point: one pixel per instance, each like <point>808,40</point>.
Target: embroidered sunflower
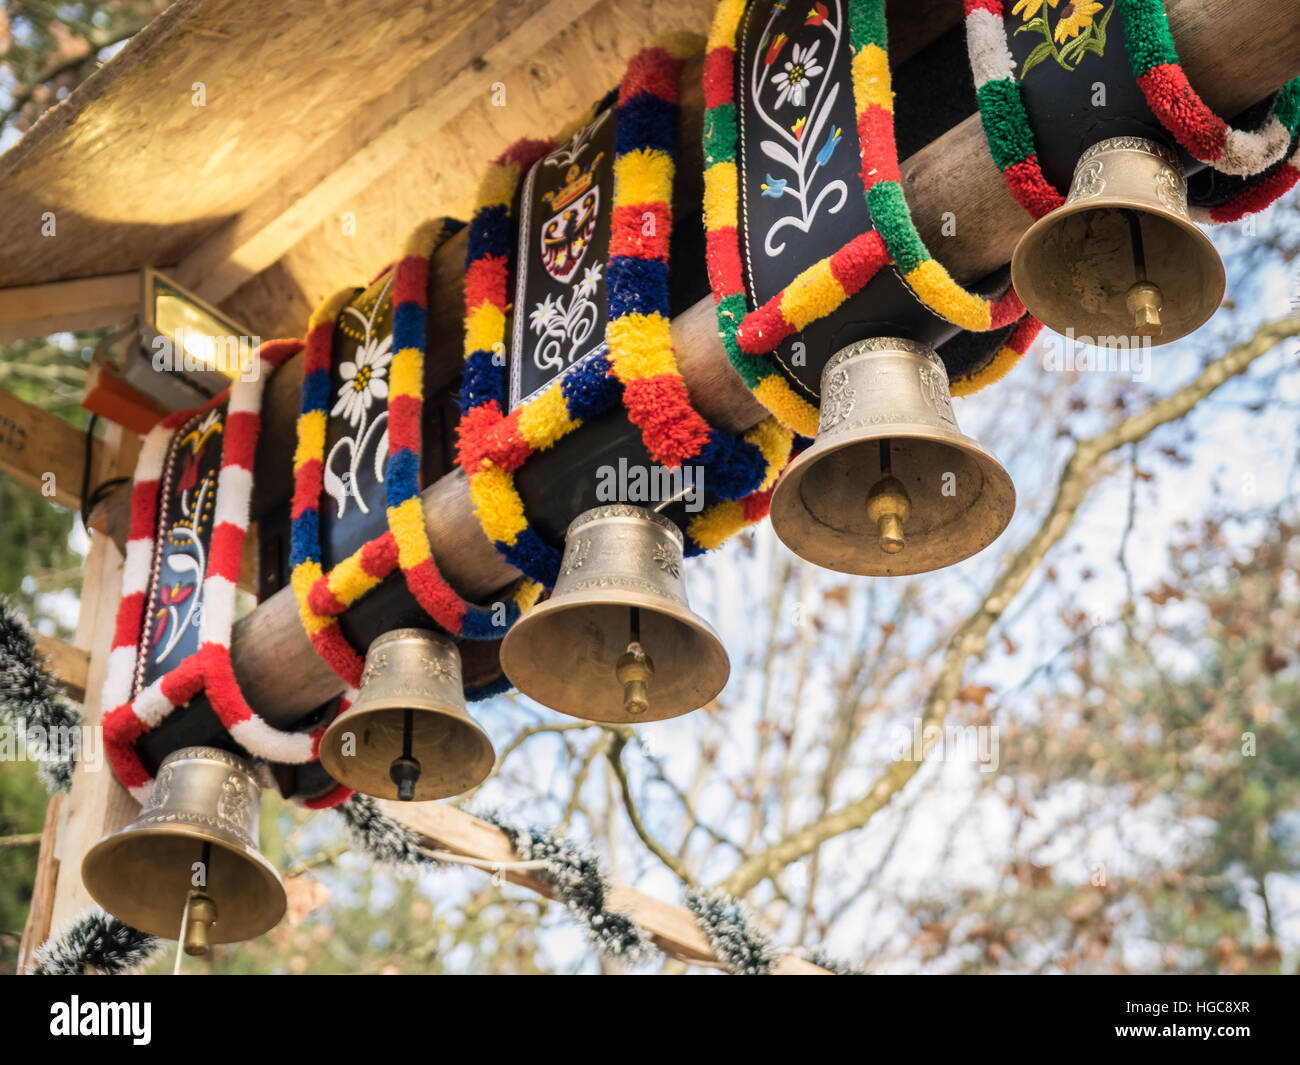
<point>364,379</point>
<point>1075,17</point>
<point>1030,7</point>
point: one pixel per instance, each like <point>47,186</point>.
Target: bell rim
<point>1036,232</point>
<point>622,598</point>
<point>484,760</point>
<point>269,879</point>
<point>787,502</point>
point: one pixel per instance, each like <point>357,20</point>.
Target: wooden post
<point>97,803</point>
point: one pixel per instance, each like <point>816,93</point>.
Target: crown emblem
<point>577,180</point>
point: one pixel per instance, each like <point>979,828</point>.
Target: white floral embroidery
<point>797,77</point>
<point>365,380</point>
<point>555,324</point>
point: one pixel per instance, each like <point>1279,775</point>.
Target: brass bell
<point>891,485</point>
<point>1121,257</point>
<point>616,641</point>
<point>408,735</point>
<point>190,859</point>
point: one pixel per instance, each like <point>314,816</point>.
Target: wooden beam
<point>68,665</point>
<point>45,453</point>
<point>673,928</point>
<point>66,306</point>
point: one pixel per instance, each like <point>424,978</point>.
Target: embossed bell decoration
<point>408,736</point>
<point>891,485</point>
<point>1121,257</point>
<point>616,641</point>
<point>188,866</point>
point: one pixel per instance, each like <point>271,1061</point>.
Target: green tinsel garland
<point>99,942</point>
<point>30,698</point>
<point>741,947</point>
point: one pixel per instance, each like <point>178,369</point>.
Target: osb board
<point>136,173</point>
<point>440,176</point>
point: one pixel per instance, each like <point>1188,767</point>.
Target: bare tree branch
<point>1076,480</point>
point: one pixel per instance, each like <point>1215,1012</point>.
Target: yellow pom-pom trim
<point>406,374</point>
<point>792,409</point>
<point>720,196</point>
<point>546,419</point>
<point>871,82</point>
<point>935,287</point>
<point>813,294</point>
<point>644,176</point>
<point>644,346</point>
<point>311,437</point>
<point>497,504</point>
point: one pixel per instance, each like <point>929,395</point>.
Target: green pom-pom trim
<point>889,212</point>
<point>1148,39</point>
<point>720,134</point>
<point>1006,123</point>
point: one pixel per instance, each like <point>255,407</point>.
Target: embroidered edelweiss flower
<point>1030,7</point>
<point>590,278</point>
<point>1075,17</point>
<point>540,315</point>
<point>364,379</point>
<point>799,71</point>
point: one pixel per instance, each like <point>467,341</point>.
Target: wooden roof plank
<point>463,71</point>
<point>200,113</point>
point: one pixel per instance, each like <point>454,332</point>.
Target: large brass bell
<point>1121,257</point>
<point>408,735</point>
<point>190,859</point>
<point>616,641</point>
<point>891,485</point>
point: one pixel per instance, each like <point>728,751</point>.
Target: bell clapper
<point>635,669</point>
<point>199,915</point>
<point>888,505</point>
<point>405,770</point>
<point>1144,298</point>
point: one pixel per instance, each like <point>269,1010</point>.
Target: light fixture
<point>188,349</point>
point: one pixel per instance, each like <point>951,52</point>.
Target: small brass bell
<point>190,859</point>
<point>616,641</point>
<point>891,485</point>
<point>408,736</point>
<point>1121,257</point>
